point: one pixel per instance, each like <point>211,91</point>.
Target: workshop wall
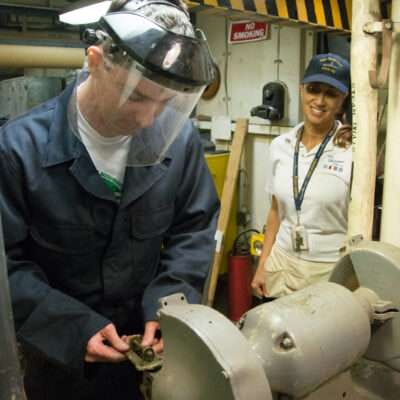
<point>245,69</point>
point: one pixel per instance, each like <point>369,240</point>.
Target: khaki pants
<point>286,273</point>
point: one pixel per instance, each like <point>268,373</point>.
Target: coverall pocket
<point>147,231</point>
<point>73,240</point>
<point>151,223</point>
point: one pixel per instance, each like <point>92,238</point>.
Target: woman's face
<point>321,103</point>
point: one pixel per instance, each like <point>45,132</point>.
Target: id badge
<point>299,238</point>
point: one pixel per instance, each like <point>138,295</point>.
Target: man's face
<point>321,103</point>
<point>129,101</point>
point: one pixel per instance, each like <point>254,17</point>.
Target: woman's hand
<point>258,282</point>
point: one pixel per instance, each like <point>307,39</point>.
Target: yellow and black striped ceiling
<point>326,14</point>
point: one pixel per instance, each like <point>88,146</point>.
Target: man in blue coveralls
<point>107,203</point>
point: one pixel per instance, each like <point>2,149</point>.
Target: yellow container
<point>217,164</point>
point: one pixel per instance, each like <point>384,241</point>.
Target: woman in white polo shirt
<point>310,171</point>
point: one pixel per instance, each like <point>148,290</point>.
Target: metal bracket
<point>143,358</point>
<point>384,310</point>
<point>373,27</point>
<point>385,27</point>
<point>172,300</point>
<point>355,240</point>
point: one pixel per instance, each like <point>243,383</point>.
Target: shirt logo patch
<point>332,164</point>
<point>332,167</point>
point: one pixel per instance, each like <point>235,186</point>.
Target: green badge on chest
<point>113,184</point>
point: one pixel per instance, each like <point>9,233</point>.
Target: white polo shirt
<point>324,208</point>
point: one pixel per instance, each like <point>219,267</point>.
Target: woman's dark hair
<point>343,137</point>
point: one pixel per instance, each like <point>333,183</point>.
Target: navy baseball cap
<point>329,68</point>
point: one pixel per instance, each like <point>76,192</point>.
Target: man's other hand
<point>151,328</point>
<point>106,346</point>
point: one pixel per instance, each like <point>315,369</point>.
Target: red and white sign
<point>248,31</point>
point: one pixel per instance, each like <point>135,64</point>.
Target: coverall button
<point>102,212</point>
<point>113,265</point>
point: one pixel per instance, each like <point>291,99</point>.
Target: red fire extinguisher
<point>239,278</point>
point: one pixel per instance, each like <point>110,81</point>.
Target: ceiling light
<point>85,12</point>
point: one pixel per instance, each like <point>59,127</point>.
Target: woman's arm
<point>272,227</point>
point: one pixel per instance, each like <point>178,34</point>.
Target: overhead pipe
<point>30,7</point>
<point>390,226</point>
<point>365,125</point>
<point>23,56</point>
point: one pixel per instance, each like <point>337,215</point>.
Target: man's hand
<point>258,282</point>
<point>106,346</point>
<point>149,336</point>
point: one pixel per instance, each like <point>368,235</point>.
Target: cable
<point>238,237</point>
<point>226,68</point>
<point>278,52</point>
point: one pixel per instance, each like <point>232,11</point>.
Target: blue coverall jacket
<point>76,256</point>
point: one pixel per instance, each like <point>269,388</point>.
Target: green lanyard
<point>299,196</point>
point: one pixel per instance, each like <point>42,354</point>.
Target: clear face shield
<point>147,87</point>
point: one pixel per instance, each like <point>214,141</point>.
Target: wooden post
<point>228,191</point>
<point>390,227</point>
<point>365,106</point>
